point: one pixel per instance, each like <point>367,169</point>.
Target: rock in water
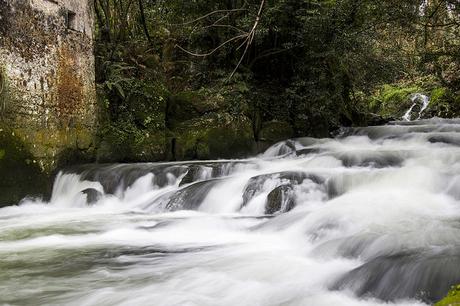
<point>281,199</point>
<point>92,195</point>
<point>192,175</point>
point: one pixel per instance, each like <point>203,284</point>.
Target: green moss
<point>123,141</point>
<point>392,100</point>
<point>187,105</point>
<point>20,172</point>
<point>444,103</point>
<point>452,298</point>
<point>438,95</point>
<point>217,135</point>
<point>274,131</point>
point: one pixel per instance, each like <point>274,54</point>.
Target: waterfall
<point>368,218</point>
<point>415,98</point>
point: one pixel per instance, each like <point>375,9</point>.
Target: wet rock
<point>190,197</point>
<point>281,199</point>
<point>255,184</point>
<point>92,195</point>
<point>307,151</point>
<point>21,175</point>
<point>115,176</point>
<point>192,175</point>
<point>188,105</point>
<point>427,276</point>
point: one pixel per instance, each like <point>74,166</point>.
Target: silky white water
<point>417,99</point>
<point>369,218</point>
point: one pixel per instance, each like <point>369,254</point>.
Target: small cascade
<point>369,218</point>
<point>416,98</point>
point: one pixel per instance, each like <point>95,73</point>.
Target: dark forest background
<point>205,79</point>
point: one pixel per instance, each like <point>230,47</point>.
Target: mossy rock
<point>20,174</point>
<point>274,131</point>
<point>392,101</point>
<point>125,142</point>
<point>188,105</point>
<point>216,135</point>
<point>452,298</point>
<point>443,103</point>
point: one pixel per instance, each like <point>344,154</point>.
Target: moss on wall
<point>3,90</point>
<point>20,173</point>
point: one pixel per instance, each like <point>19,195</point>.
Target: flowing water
<point>417,99</point>
<point>371,217</point>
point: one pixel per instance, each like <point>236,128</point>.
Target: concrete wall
<point>47,88</point>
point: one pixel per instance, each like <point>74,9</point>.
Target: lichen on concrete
<point>51,101</point>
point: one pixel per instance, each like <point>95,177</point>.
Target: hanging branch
<point>248,37</point>
<point>215,49</point>
<point>210,14</point>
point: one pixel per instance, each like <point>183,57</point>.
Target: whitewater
<point>370,217</point>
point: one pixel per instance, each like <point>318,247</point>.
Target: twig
<point>250,38</point>
<point>213,50</point>
<point>210,14</point>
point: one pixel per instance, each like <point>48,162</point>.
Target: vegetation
<point>452,298</point>
<point>16,158</point>
<point>169,72</point>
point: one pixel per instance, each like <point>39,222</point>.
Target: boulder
<point>189,197</point>
<point>280,200</point>
<point>255,184</point>
<point>192,175</point>
<point>92,195</point>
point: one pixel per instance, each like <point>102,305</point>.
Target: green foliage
<point>392,100</point>
<point>452,298</point>
<point>132,102</point>
<point>438,95</point>
<point>444,103</point>
<point>312,66</point>
<point>216,135</point>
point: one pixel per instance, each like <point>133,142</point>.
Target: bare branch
<point>210,14</point>
<point>224,26</point>
<point>250,37</point>
<point>215,49</point>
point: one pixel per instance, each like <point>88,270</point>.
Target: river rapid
<point>371,217</point>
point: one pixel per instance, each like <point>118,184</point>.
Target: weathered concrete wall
<point>47,88</point>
